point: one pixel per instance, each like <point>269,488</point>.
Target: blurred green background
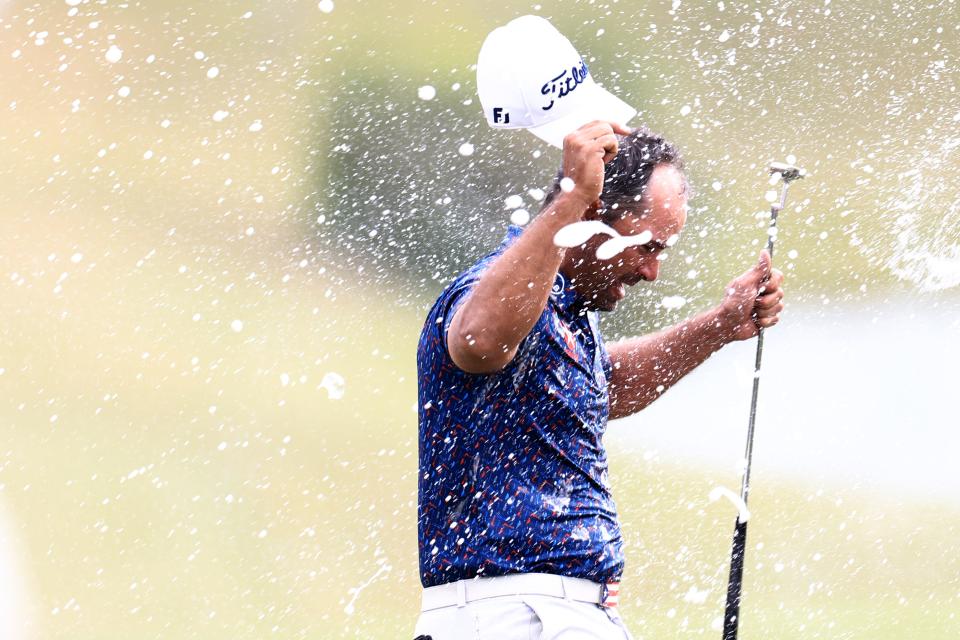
<point>222,224</point>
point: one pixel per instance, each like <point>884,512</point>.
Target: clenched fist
<point>753,300</point>
<point>585,151</point>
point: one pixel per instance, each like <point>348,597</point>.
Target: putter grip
<point>731,617</point>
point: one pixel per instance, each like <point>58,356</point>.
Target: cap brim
<point>603,105</point>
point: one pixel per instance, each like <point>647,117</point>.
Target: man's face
<point>662,212</point>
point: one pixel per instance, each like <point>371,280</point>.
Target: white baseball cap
<point>529,76</point>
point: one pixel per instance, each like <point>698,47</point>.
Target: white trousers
<point>523,617</point>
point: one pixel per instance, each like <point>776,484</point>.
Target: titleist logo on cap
<point>566,83</point>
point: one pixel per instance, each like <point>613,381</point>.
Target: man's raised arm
<point>509,297</point>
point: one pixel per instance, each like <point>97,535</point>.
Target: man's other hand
<point>753,300</point>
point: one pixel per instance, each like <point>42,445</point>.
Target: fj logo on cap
<point>565,83</point>
<point>499,114</point>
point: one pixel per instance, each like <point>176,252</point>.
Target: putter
<point>731,619</point>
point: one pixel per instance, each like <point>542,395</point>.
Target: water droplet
<point>334,384</point>
<point>114,53</point>
<point>575,234</point>
<point>512,202</point>
<point>520,217</point>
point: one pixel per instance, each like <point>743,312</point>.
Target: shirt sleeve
<point>448,303</point>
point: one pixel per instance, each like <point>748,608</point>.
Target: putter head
<point>788,172</point>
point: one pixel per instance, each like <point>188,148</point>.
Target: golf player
<point>518,531</point>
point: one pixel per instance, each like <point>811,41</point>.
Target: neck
<point>565,267</point>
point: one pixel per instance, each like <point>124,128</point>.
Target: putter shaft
<point>748,454</point>
<point>731,617</point>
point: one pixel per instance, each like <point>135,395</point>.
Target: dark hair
<point>626,176</point>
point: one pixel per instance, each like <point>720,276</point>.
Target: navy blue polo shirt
<point>513,472</point>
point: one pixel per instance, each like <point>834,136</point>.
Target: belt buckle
<point>610,595</point>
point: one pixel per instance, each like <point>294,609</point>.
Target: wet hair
<point>626,176</point>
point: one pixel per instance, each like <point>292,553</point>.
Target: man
<point>518,530</point>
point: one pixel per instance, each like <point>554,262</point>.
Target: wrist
<point>569,207</point>
<point>719,327</point>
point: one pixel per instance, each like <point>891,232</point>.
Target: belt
<point>542,584</point>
